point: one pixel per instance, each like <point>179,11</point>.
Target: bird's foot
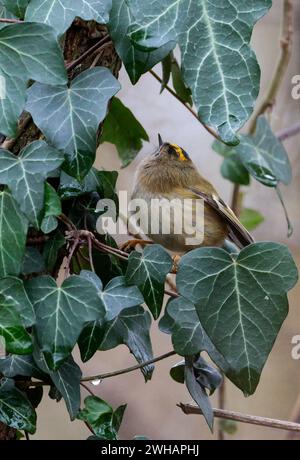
<point>131,245</point>
<point>176,260</point>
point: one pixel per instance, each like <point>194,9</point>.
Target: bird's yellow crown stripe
<point>179,152</point>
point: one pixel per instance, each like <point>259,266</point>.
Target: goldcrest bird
<point>169,174</point>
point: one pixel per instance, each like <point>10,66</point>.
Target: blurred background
<point>152,407</point>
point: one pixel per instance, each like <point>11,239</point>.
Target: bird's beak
<point>160,141</point>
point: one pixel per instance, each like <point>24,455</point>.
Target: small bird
<point>169,174</point>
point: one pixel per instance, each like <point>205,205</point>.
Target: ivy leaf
<point>12,244</point>
<point>52,208</point>
<point>16,7</point>
<point>67,381</point>
<point>214,39</point>
<point>148,271</point>
<point>264,156</point>
<point>251,219</point>
<point>232,169</point>
<point>17,339</point>
<point>122,129</point>
<point>51,250</point>
<point>52,202</point>
<point>49,224</point>
<point>166,71</point>
<point>241,302</point>
<point>69,116</point>
<point>116,296</point>
<point>27,51</point>
<point>25,175</point>
<point>33,261</point>
<point>5,14</point>
<point>60,15</point>
<point>135,61</point>
<point>178,83</point>
<point>13,365</point>
<point>104,421</point>
<point>14,288</point>
<point>15,409</point>
<point>61,313</point>
<point>131,327</point>
<point>188,336</point>
<point>198,393</point>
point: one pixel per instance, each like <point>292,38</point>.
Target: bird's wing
<point>237,232</point>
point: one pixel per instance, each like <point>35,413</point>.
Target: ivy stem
<point>171,91</point>
<point>108,374</point>
<point>289,132</point>
<point>11,21</point>
<point>268,102</point>
<point>243,418</point>
<point>128,369</point>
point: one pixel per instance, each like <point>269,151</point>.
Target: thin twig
<point>289,132</point>
<point>128,369</point>
<point>222,398</point>
<point>90,378</point>
<point>91,254</point>
<point>26,435</point>
<point>87,389</point>
<point>171,91</point>
<point>105,40</point>
<point>69,259</point>
<point>243,418</point>
<point>11,21</point>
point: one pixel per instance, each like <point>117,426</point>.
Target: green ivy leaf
<point>69,116</point>
<point>116,296</point>
<point>251,219</point>
<point>51,250</point>
<point>67,381</point>
<point>180,87</point>
<point>166,71</point>
<point>15,409</point>
<point>131,327</point>
<point>13,365</point>
<point>5,14</point>
<point>14,288</point>
<point>61,313</point>
<point>198,393</point>
<point>27,51</point>
<point>122,129</point>
<point>214,38</point>
<point>188,336</point>
<point>25,175</point>
<point>17,339</point>
<point>12,244</point>
<point>135,61</point>
<point>104,421</point>
<point>49,224</point>
<point>233,170</point>
<point>60,15</point>
<point>52,201</point>
<point>241,302</point>
<point>33,261</point>
<point>264,156</point>
<point>148,271</point>
<point>16,7</point>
